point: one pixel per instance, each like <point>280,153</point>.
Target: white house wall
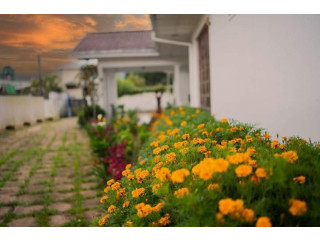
<point>265,70</point>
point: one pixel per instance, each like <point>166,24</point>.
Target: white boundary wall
<point>17,110</point>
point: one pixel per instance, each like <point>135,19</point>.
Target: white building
<point>257,69</point>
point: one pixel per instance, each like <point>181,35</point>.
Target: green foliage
<point>228,146</point>
<point>49,84</point>
<point>87,113</point>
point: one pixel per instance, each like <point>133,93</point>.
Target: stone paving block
<point>56,195</point>
<point>88,193</point>
<point>29,198</point>
<point>64,187</point>
<point>35,188</point>
<point>10,190</point>
<point>91,215</point>
<point>61,206</point>
<point>23,222</point>
<point>19,210</point>
<point>58,220</point>
<point>59,180</point>
<point>7,198</point>
<point>88,185</point>
<point>90,203</point>
<point>4,211</point>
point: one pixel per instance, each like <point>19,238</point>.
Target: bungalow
<point>259,69</point>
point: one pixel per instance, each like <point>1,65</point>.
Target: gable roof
<point>115,44</point>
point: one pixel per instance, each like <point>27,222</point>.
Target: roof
<point>114,44</point>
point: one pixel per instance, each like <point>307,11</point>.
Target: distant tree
<point>8,73</point>
<point>49,84</point>
<point>137,79</point>
<point>154,77</point>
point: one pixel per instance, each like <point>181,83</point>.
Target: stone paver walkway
<point>46,176</point>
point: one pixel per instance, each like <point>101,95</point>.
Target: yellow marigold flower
<point>238,158</point>
<point>143,210</point>
<point>173,132</point>
<point>201,126</point>
<point>197,141</point>
<point>170,157</point>
<point>243,170</point>
<point>162,137</point>
<point>129,224</point>
<point>179,175</point>
<point>130,177</point>
<point>224,120</point>
<point>205,133</point>
<point>126,204</point>
<point>168,121</point>
<point>186,136</point>
<point>207,154</point>
<point>297,207</point>
<point>183,123</point>
<point>184,150</point>
<point>250,151</point>
<point>155,187</point>
<point>300,179</point>
<point>115,186</point>
<point>155,144</point>
<point>111,181</point>
<point>121,193</point>
<point>198,111</point>
<point>103,199</point>
<point>158,207</point>
<point>125,172</point>
<point>137,192</point>
<point>140,176</point>
<point>106,189</point>
<point>102,221</point>
<point>226,206</point>
<point>263,222</point>
<point>178,144</point>
<point>233,129</point>
<point>180,193</point>
<point>275,144</point>
<point>157,158</point>
<point>128,166</point>
<point>208,166</point>
<point>233,150</point>
<point>157,150</point>
<point>249,138</point>
<point>261,173</point>
<point>247,215</point>
<point>163,174</point>
<point>213,186</point>
<point>201,149</point>
<point>111,208</point>
<point>290,156</point>
<point>164,147</point>
<point>164,220</point>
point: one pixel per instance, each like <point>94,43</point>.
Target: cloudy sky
<point>23,37</point>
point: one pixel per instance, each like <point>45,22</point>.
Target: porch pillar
<point>111,90</point>
<point>176,85</point>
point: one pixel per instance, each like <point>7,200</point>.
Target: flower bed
<point>196,171</point>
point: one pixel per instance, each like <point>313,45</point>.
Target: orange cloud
<point>133,22</point>
<point>47,32</point>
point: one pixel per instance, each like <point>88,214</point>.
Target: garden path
<point>46,176</point>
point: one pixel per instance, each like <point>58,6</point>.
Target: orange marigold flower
<point>208,166</point>
<point>198,111</point>
<point>297,207</point>
<point>251,151</point>
<point>239,158</point>
<point>121,193</point>
<point>201,149</point>
<point>143,210</point>
<point>164,220</point>
<point>129,224</point>
<point>158,207</point>
<point>247,215</point>
<point>261,173</point>
<point>243,170</point>
<point>106,189</point>
<point>156,151</point>
<point>226,206</point>
<point>179,175</point>
<point>219,217</point>
<point>111,208</point>
<point>275,144</point>
<point>263,222</point>
<point>126,204</point>
<point>233,129</point>
<point>111,181</point>
<point>155,144</point>
<point>197,141</point>
<point>290,156</point>
<point>137,192</point>
<point>157,158</point>
<point>155,187</point>
<point>102,221</point>
<point>180,193</point>
<point>184,150</point>
<point>170,157</point>
<point>115,186</point>
<point>186,136</point>
<point>249,138</point>
<point>103,199</point>
<point>224,120</point>
<point>300,179</point>
<point>140,176</point>
<point>201,126</point>
<point>213,186</point>
<point>183,123</point>
<point>130,177</point>
<point>163,174</point>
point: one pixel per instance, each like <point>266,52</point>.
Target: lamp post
<point>158,96</point>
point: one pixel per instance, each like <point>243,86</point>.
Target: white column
<point>111,90</point>
<point>194,75</point>
<point>176,85</point>
<point>184,86</point>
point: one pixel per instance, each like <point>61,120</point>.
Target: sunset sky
<point>23,37</point>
